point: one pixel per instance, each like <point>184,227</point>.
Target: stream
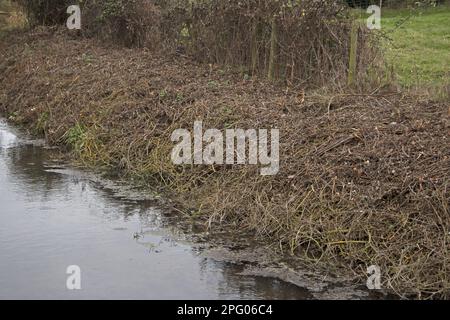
<point>53,216</point>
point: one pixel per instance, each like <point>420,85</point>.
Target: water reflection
<point>51,217</point>
<point>7,139</point>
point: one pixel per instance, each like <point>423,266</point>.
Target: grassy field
<point>420,45</point>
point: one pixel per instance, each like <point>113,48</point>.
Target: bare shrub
<point>132,23</point>
<point>310,43</point>
<point>45,12</point>
<point>303,43</point>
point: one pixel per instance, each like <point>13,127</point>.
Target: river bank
<point>55,214</point>
<point>363,179</point>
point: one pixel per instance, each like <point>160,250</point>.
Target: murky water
<point>52,217</point>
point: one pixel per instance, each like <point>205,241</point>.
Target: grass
<point>420,46</point>
<point>417,45</point>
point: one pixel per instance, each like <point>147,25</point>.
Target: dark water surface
<point>52,217</point>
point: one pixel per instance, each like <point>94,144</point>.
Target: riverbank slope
<point>363,180</point>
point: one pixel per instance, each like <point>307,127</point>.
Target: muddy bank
<point>363,178</point>
<point>113,228</point>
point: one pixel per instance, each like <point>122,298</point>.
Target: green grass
<point>417,44</point>
<point>420,46</point>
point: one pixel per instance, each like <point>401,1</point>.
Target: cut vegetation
<point>364,177</point>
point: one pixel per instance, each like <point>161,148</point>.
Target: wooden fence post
<point>254,46</point>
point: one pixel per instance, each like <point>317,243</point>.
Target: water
<point>52,217</point>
